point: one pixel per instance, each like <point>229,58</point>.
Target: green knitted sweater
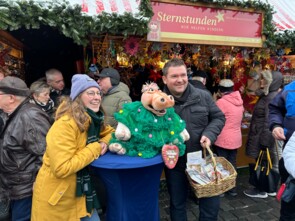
<point>149,132</point>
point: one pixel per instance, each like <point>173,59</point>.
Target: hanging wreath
<point>131,46</point>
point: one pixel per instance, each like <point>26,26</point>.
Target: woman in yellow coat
<point>63,190</point>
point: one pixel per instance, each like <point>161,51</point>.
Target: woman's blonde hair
<point>39,86</point>
<point>76,110</point>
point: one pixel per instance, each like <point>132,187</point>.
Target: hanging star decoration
<point>287,50</point>
<point>196,56</point>
<point>254,100</point>
<point>219,16</point>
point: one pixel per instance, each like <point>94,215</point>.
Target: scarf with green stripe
<point>84,182</point>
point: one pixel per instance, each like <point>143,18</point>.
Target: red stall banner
<point>205,25</point>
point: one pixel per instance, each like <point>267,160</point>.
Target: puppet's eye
<point>151,89</point>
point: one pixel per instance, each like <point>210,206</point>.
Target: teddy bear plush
<point>149,127</point>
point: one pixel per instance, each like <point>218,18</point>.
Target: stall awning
<point>96,7</point>
<point>284,17</point>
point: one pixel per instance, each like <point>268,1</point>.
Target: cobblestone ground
<point>241,207</point>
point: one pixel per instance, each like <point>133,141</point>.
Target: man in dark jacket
<point>204,121</point>
<point>22,144</point>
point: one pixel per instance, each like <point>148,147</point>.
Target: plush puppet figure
<point>150,127</point>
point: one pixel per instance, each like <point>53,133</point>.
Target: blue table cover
<point>132,185</point>
<point>115,161</point>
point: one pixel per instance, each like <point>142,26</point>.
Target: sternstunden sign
<point>202,25</point>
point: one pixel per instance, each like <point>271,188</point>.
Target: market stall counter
<point>132,185</point>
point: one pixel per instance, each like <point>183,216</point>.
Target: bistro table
<point>132,185</point>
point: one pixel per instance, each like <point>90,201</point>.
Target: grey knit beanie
<point>81,82</point>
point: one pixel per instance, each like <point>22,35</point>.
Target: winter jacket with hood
<point>232,106</point>
<point>259,134</point>
<point>113,101</point>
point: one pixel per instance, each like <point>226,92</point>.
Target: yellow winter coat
<point>54,194</point>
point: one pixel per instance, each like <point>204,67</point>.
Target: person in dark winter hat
<point>199,73</point>
<point>81,82</point>
<point>15,86</point>
<point>112,74</point>
<point>22,145</point>
<point>199,79</point>
<point>115,93</point>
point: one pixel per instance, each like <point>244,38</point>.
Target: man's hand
<point>278,133</point>
<point>104,148</point>
<point>205,141</point>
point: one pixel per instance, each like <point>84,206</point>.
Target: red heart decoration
<point>170,154</point>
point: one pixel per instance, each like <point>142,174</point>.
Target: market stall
<point>11,55</point>
<point>209,38</point>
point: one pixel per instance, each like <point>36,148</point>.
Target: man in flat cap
<point>22,144</point>
<point>115,93</point>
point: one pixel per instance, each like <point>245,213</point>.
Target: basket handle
<point>207,147</point>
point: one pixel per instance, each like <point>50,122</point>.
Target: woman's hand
<point>104,148</point>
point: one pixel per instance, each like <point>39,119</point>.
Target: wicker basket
<point>218,186</point>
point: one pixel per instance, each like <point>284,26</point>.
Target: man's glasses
<point>91,94</point>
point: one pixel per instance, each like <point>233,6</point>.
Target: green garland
<point>68,19</point>
<point>59,14</point>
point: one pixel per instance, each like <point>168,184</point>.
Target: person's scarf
<point>183,97</point>
<point>45,107</point>
<point>84,183</point>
